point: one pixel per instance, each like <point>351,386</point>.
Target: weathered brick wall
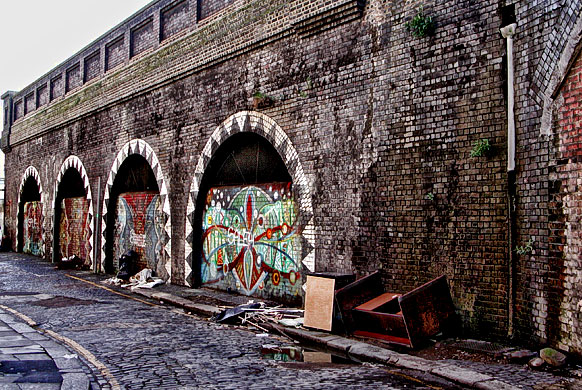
<point>383,124</point>
<point>42,95</point>
<point>175,18</point>
<point>545,308</point>
<point>566,203</point>
<point>142,37</point>
<point>210,7</point>
<point>73,78</point>
<point>92,65</point>
<point>57,86</point>
<point>115,53</point>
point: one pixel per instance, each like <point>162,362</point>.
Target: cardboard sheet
<point>319,302</point>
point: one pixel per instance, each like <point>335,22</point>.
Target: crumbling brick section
<point>565,226</point>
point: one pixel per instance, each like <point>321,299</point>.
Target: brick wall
<point>92,66</point>
<point>383,124</point>
<point>73,78</point>
<point>210,7</point>
<point>142,37</point>
<point>42,95</point>
<point>57,87</point>
<point>174,19</point>
<point>115,53</point>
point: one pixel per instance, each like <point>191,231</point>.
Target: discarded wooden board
<point>319,302</point>
<point>406,319</point>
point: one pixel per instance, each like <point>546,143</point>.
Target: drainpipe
<point>507,32</point>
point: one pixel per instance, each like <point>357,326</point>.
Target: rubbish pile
<point>71,262</point>
<point>143,279</point>
<point>259,315</point>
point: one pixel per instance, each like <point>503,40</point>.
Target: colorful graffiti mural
<point>140,227</point>
<point>32,229</point>
<point>74,228</point>
<point>251,242</point>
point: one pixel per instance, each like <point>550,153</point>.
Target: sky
<point>40,34</point>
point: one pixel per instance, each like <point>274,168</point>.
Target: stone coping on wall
<point>250,26</point>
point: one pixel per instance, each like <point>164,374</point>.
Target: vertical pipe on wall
<point>507,32</point>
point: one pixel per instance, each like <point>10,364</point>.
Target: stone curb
<point>69,367</point>
<point>368,352</point>
<point>353,348</point>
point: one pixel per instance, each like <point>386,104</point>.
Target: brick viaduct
<point>373,127</point>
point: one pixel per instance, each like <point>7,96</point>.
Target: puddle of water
<point>292,354</point>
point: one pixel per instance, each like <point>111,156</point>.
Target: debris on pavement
<point>143,279</point>
<point>553,357</point>
<point>257,314</point>
<point>71,262</point>
<point>126,262</point>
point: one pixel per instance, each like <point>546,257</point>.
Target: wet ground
<point>143,345</point>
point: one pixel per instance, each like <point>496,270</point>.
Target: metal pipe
<point>507,32</point>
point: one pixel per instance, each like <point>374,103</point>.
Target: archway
<point>30,234</point>
<point>136,211</point>
<point>249,169</point>
<point>73,208</point>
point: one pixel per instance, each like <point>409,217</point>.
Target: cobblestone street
<point>147,346</point>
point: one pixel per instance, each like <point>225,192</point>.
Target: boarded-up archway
<point>140,148</point>
<point>77,213</point>
<point>260,124</point>
<point>31,214</point>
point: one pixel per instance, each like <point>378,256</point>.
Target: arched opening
<point>135,218</point>
<point>246,233</point>
<point>30,214</point>
<point>71,208</point>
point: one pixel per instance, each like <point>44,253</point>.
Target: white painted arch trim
<point>142,148</point>
<point>256,122</point>
<point>32,171</point>
<point>76,163</point>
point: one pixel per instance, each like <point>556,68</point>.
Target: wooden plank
<point>377,302</point>
<point>319,303</point>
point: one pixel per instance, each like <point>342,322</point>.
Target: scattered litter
<point>256,315</point>
<point>71,356</point>
<point>71,262</point>
<point>143,279</point>
<point>125,264</point>
<point>263,335</point>
<point>292,322</point>
<point>114,281</point>
<point>235,312</point>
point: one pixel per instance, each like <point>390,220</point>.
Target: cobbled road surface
<point>141,346</point>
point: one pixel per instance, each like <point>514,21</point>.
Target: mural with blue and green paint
<point>250,241</point>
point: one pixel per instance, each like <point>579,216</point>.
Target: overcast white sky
<point>40,34</point>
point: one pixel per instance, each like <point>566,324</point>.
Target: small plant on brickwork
<point>430,196</point>
<point>525,249</point>
<point>481,148</point>
<point>261,100</point>
<point>308,86</point>
<point>421,25</point>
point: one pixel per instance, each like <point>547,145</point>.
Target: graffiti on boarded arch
<point>74,228</point>
<point>139,226</point>
<point>32,229</point>
<point>250,240</point>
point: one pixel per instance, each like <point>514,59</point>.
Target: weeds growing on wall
<point>480,148</point>
<point>421,25</point>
